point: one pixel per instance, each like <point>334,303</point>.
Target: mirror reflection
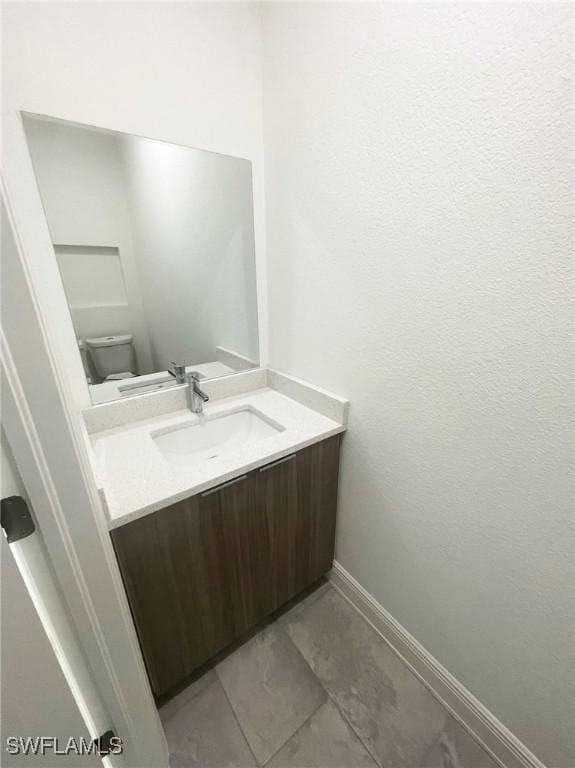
<point>155,247</point>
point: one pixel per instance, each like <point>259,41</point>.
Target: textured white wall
<point>419,174</point>
<point>189,73</point>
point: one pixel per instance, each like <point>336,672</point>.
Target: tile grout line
<point>345,719</point>
<point>297,730</point>
<point>317,594</point>
<point>282,745</point>
<point>322,589</point>
<point>356,734</point>
<point>236,718</point>
<point>342,713</point>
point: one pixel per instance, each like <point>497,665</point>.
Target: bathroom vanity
<point>203,571</point>
<point>218,519</point>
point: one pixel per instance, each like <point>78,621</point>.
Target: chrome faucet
<point>196,396</point>
<point>178,372</point>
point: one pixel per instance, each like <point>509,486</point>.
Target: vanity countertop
<point>137,479</point>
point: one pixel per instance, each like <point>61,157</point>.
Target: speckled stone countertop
<point>137,479</point>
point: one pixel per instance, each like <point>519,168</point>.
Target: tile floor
<point>316,689</point>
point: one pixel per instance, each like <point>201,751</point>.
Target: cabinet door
<point>162,584</point>
<point>278,520</point>
<point>317,478</point>
<point>226,547</point>
<point>296,501</point>
<point>187,571</point>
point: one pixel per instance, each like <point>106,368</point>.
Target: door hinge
<point>16,519</point>
<point>104,743</point>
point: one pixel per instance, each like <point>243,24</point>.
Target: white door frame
<point>49,443</point>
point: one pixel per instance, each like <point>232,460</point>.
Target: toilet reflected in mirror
<point>113,357</point>
<point>155,247</point>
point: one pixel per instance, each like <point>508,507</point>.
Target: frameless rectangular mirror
<point>155,247</point>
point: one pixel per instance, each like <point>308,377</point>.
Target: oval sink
<point>211,436</point>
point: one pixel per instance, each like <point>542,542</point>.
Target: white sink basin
<point>210,436</point>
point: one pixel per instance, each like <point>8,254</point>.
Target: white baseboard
<point>490,732</point>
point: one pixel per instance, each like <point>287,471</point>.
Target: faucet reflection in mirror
<point>155,247</point>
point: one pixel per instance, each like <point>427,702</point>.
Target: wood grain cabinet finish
<point>201,572</point>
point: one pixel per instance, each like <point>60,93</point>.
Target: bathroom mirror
<point>155,247</point>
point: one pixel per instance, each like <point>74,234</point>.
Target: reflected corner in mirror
<point>155,247</point>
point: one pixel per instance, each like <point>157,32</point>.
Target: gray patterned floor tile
<point>271,689</point>
<point>203,733</point>
<point>393,713</point>
<point>325,741</point>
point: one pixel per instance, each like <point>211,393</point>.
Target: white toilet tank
<point>113,356</point>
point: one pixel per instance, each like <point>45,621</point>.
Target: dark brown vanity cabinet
<point>201,572</point>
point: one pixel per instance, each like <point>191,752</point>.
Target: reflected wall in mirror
<point>155,246</point>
